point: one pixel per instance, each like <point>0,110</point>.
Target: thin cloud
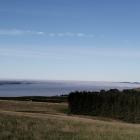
<point>81,34</point>
<point>30,54</point>
<point>66,55</point>
<point>16,32</point>
<point>70,34</point>
<point>52,34</point>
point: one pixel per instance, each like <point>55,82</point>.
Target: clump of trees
<point>124,105</point>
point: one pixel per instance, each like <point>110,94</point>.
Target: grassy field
<point>26,120</point>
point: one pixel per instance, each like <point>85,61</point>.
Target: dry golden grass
<point>49,121</point>
<point>33,107</point>
<point>138,89</point>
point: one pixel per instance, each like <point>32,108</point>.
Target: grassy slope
<point>49,121</point>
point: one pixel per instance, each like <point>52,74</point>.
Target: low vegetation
<point>53,99</point>
<point>26,120</point>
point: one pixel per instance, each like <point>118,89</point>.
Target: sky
<point>88,40</point>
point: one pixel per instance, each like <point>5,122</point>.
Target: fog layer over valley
<point>51,88</point>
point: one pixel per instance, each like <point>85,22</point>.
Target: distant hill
<point>131,82</point>
<point>13,82</point>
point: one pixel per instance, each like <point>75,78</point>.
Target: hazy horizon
<point>61,80</point>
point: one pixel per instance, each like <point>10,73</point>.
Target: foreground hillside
<point>49,121</point>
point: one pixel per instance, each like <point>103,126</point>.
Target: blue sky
<point>90,40</point>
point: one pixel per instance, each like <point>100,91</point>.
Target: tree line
<point>124,105</point>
